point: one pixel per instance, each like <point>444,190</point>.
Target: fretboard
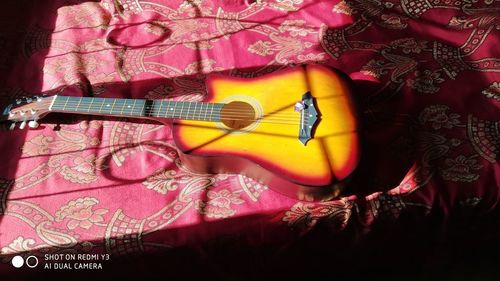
<point>138,108</point>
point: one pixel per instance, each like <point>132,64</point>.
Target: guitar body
<point>268,148</point>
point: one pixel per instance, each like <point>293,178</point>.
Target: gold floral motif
<point>67,141</point>
<point>284,46</point>
<point>425,82</point>
<point>373,11</point>
<point>201,66</point>
<point>54,237</point>
<point>163,181</point>
<point>219,204</point>
<point>343,8</point>
<point>194,8</point>
<point>80,213</point>
<point>261,48</point>
<point>470,202</point>
<point>312,58</point>
<point>493,91</point>
<point>398,65</point>
<point>410,45</point>
<point>437,115</point>
<point>19,245</point>
<point>295,28</point>
<point>69,65</point>
<point>286,5</point>
<point>157,28</point>
<point>393,21</point>
<point>87,14</point>
<point>433,146</point>
<point>184,27</point>
<point>251,187</point>
<point>461,169</point>
<point>304,216</point>
<point>468,23</point>
<point>83,171</point>
<point>374,68</point>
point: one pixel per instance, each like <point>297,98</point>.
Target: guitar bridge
<point>308,117</point>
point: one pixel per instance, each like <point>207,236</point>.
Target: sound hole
<point>237,115</point>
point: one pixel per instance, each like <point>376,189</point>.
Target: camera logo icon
<point>19,261</point>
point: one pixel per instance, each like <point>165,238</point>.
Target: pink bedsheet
<point>427,80</point>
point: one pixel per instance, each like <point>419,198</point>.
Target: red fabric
<point>428,86</point>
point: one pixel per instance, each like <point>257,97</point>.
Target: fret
<point>211,111</point>
<point>102,104</point>
<point>188,114</point>
<point>64,106</point>
<point>183,104</point>
<point>175,110</point>
<point>78,104</point>
<point>159,112</point>
<point>90,105</point>
<point>198,117</point>
<point>115,106</point>
<point>107,106</point>
<point>206,111</point>
<point>158,108</point>
<point>57,102</point>
<point>167,109</point>
<point>195,115</point>
<point>142,109</point>
<point>201,111</point>
<point>123,106</point>
<point>173,106</point>
<point>52,103</point>
<point>126,105</point>
<point>147,108</point>
<point>112,107</point>
<point>120,104</point>
<point>132,111</point>
<point>170,109</point>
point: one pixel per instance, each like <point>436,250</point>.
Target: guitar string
<point>187,112</point>
<point>212,118</point>
<point>260,120</point>
<point>215,118</point>
<point>151,110</point>
<point>76,106</point>
<point>123,102</point>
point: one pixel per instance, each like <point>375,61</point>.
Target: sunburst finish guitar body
<point>294,130</point>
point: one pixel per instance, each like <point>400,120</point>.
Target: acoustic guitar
<point>294,130</point>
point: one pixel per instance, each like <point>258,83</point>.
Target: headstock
<point>26,111</point>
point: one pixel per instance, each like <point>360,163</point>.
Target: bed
<point>421,204</point>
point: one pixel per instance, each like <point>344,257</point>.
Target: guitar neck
<point>138,108</point>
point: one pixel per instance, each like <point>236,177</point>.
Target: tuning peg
<point>18,101</point>
<point>22,125</point>
<point>33,124</point>
<point>12,126</point>
<point>29,100</point>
